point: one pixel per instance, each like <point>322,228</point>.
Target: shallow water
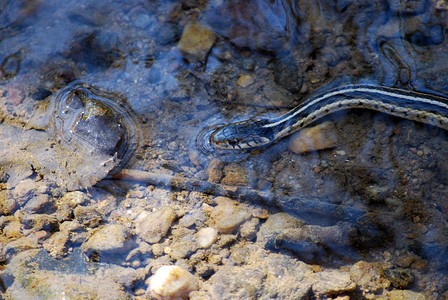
<point>378,196</point>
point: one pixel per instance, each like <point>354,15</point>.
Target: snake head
<point>243,135</point>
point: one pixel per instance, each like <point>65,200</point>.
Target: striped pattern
<point>257,132</point>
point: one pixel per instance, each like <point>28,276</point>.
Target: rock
<point>227,215</point>
<point>196,41</point>
<point>234,174</point>
<point>56,245</point>
<point>40,204</point>
<point>152,227</point>
<point>88,216</point>
<point>172,282</point>
<point>245,81</point>
<point>367,277</point>
<point>275,225</point>
<point>17,246</point>
<point>13,230</point>
<point>206,237</point>
<point>322,136</point>
<point>74,199</point>
<point>7,203</point>
<point>332,282</point>
<point>214,170</point>
<point>399,277</point>
<point>262,276</point>
<point>248,230</point>
<point>404,295</point>
<point>37,276</point>
<point>111,238</point>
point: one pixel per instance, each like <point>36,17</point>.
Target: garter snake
<point>262,130</point>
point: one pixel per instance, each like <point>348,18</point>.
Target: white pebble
<point>172,282</point>
<point>207,236</point>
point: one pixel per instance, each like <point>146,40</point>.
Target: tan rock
<point>322,136</point>
<point>235,175</point>
<point>196,41</point>
<point>172,282</point>
<point>151,227</point>
<point>245,81</point>
<point>227,215</point>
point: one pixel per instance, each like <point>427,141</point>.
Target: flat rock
<point>319,137</point>
<point>111,238</point>
<point>196,41</point>
<point>151,227</point>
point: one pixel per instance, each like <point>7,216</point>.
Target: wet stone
<point>214,170</point>
<point>87,216</point>
<point>332,283</point>
<point>152,227</point>
<point>245,80</point>
<point>172,282</point>
<point>196,41</point>
<point>206,237</point>
<point>368,277</point>
<point>111,238</point>
<point>56,245</point>
<point>399,277</point>
<point>227,215</point>
<point>322,136</point>
<point>235,174</point>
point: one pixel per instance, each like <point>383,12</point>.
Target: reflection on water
<point>364,217</point>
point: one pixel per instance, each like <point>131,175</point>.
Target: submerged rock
<point>196,41</point>
<point>172,282</point>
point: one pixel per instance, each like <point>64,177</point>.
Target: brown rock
<point>322,136</point>
<point>227,215</point>
<point>235,175</point>
<point>151,227</point>
<point>196,41</point>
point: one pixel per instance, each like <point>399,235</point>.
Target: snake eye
<point>233,142</point>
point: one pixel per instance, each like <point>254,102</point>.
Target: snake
<point>263,130</point>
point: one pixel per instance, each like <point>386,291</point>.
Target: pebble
<point>367,277</point>
<point>214,170</point>
<point>111,238</point>
<point>196,41</point>
<point>152,227</point>
<point>234,174</point>
<point>206,237</point>
<point>172,282</point>
<point>319,137</point>
<point>227,215</point>
<point>332,282</point>
<point>245,80</point>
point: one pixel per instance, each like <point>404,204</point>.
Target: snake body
<point>262,130</point>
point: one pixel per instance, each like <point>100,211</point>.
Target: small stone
<point>206,237</point>
<point>111,238</point>
<point>405,295</point>
<point>245,80</point>
<point>227,216</point>
<point>172,282</point>
<point>196,41</point>
<point>13,230</point>
<point>367,277</point>
<point>74,198</point>
<point>151,227</point>
<point>332,282</point>
<point>88,216</point>
<point>319,137</point>
<point>235,175</point>
<point>56,245</point>
<point>214,170</point>
<point>399,277</point>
